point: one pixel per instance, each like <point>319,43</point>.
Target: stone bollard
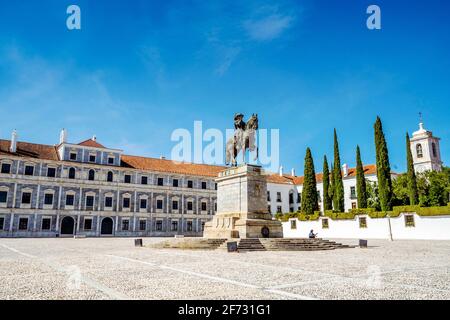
<point>232,246</point>
<point>138,242</point>
<point>362,243</point>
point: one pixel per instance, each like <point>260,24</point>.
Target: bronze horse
<point>243,139</point>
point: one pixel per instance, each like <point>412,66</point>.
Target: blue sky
<point>140,69</point>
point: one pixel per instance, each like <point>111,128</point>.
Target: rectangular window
<point>175,183</point>
<point>2,223</point>
<point>143,204</point>
<point>6,168</point>
<point>353,205</point>
<point>126,202</point>
<point>279,209</point>
<point>190,184</point>
<point>142,225</point>
<point>89,202</point>
<point>203,185</point>
<point>175,204</point>
<point>29,170</point>
<point>324,223</point>
<point>293,224</point>
<point>352,192</point>
<point>269,209</point>
<point>127,178</point>
<point>189,205</point>
<point>299,199</point>
<point>110,160</point>
<point>409,221</point>
<point>319,198</point>
<point>26,197</point>
<point>268,195</point>
<point>73,156</point>
<point>48,199</point>
<point>87,224</point>
<point>362,222</point>
<point>46,223</point>
<point>159,225</point>
<point>144,180</point>
<point>3,196</point>
<point>91,158</point>
<point>23,224</point>
<point>108,202</point>
<point>125,225</point>
<point>215,186</point>
<point>189,226</point>
<point>203,226</point>
<point>174,225</point>
<point>160,181</point>
<point>278,196</point>
<point>215,206</point>
<point>70,199</point>
<point>203,206</point>
<point>159,204</point>
<point>51,172</point>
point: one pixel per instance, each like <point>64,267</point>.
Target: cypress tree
<point>412,181</point>
<point>360,181</point>
<point>338,185</point>
<point>383,167</point>
<point>327,203</point>
<point>331,189</point>
<point>309,193</point>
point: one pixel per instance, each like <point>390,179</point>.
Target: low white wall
<point>426,228</point>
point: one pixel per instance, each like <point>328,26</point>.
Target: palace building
<point>87,189</point>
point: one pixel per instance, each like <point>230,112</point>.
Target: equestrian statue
<point>243,139</point>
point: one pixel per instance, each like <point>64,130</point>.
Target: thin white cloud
<point>269,27</point>
<point>229,55</point>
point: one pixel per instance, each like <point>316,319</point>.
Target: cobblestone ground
<point>112,268</point>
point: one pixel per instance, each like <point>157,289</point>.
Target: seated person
<point>312,235</point>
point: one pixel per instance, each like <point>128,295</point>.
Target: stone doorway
<point>67,226</point>
<point>107,227</point>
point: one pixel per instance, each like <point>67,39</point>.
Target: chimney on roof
<point>345,169</point>
<point>281,171</point>
<point>293,172</point>
<point>63,136</point>
<point>94,138</point>
<point>13,146</point>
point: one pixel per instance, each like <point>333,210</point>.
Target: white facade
<point>279,198</point>
<point>425,150</point>
<point>421,228</point>
<point>292,205</point>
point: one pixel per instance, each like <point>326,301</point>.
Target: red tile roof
<point>91,143</point>
<point>31,150</point>
<point>288,179</point>
<point>164,165</point>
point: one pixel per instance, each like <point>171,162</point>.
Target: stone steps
<point>193,243</point>
<point>284,244</point>
<point>253,244</point>
<point>292,244</point>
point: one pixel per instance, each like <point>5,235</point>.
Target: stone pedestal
<point>242,206</point>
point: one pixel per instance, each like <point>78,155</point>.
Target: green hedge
<point>421,211</point>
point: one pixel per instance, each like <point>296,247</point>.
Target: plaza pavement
<point>112,268</point>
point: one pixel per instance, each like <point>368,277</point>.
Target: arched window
<point>433,147</point>
<point>419,151</point>
<point>72,173</point>
<point>110,176</point>
<point>91,174</point>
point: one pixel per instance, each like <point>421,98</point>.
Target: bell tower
<point>425,150</point>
